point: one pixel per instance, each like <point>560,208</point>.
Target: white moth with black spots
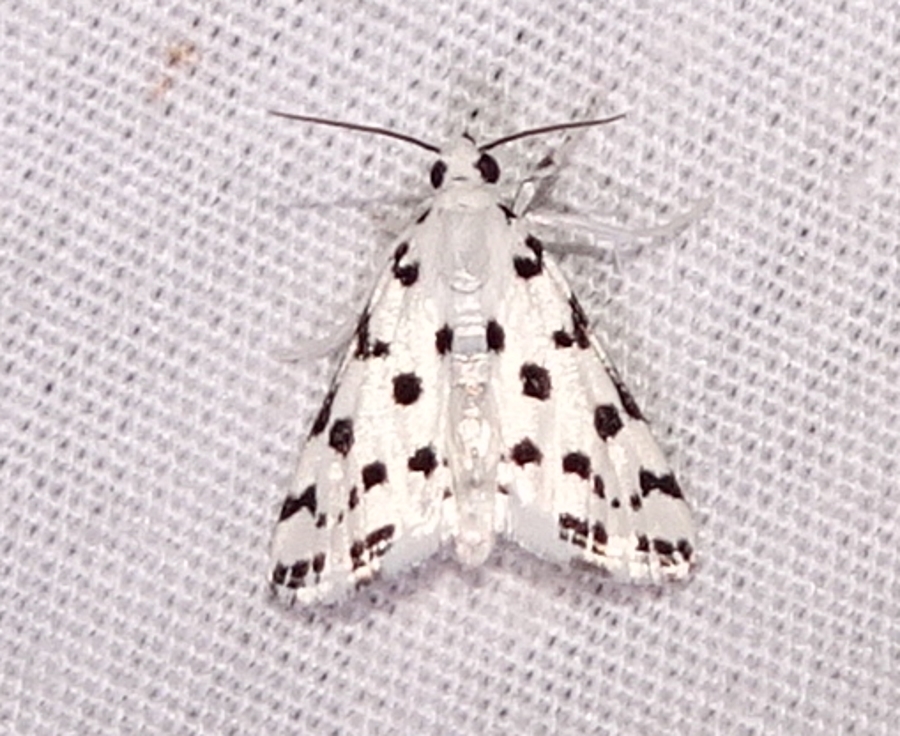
<point>474,403</point>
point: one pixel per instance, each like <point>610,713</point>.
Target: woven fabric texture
<point>161,235</point>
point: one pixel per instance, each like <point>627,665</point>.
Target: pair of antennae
<point>431,147</point>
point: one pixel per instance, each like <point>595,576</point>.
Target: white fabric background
<point>161,234</point>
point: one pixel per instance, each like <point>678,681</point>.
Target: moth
<point>472,403</point>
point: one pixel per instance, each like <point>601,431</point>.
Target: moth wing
<point>367,496</point>
<point>581,477</point>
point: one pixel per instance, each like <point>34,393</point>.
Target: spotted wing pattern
<point>371,484</point>
<point>581,477</point>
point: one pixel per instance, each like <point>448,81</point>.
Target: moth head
<point>464,163</point>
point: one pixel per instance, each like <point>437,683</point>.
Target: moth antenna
<point>354,126</point>
<point>549,129</point>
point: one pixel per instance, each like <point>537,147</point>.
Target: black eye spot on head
<point>488,168</point>
<point>437,174</point>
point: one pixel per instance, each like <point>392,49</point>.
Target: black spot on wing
<point>509,214</point>
<point>635,502</point>
<point>569,523</point>
<point>291,576</point>
<point>607,421</point>
<point>292,504</point>
<point>488,168</point>
<point>443,340</point>
<point>340,437</point>
<point>294,575</point>
<point>580,533</point>
<point>495,336</point>
<point>362,335</point>
<point>365,348</point>
<point>324,414</point>
<point>526,452</point>
<point>423,461</point>
<point>563,339</point>
<point>580,326</point>
<point>599,487</point>
<point>663,547</point>
<point>358,554</point>
<point>376,543</point>
<point>579,331</point>
<point>628,402</point>
<point>665,484</point>
<point>407,388</point>
<point>423,217</point>
<point>577,463</point>
<point>535,381</point>
<point>353,499</point>
<point>643,544</point>
<point>684,547</point>
<point>406,273</point>
<point>528,268</point>
<point>318,563</point>
<point>279,574</point>
<point>373,474</point>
